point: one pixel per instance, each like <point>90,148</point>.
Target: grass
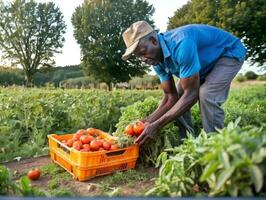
<point>57,175</point>
<point>55,172</point>
<point>109,186</point>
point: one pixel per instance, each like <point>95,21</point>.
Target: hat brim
<point>130,50</point>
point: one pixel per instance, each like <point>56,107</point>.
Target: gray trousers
<point>212,94</point>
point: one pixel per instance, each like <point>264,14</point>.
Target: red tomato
<point>34,174</point>
<point>86,147</point>
<point>106,145</point>
<point>129,130</point>
<point>138,128</point>
<point>70,142</point>
<point>82,131</point>
<point>98,138</point>
<point>91,131</point>
<point>77,145</point>
<point>94,145</point>
<point>100,142</point>
<point>114,147</point>
<point>79,134</point>
<point>86,139</point>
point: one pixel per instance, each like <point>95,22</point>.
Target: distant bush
<point>241,78</point>
<point>80,82</point>
<point>262,77</point>
<point>250,75</point>
<point>11,76</point>
<point>145,82</point>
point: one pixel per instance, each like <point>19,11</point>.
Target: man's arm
<point>190,87</point>
<point>169,100</point>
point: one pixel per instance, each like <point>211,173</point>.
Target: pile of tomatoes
<point>90,140</point>
<point>135,129</point>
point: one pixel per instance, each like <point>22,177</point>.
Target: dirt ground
<point>88,188</point>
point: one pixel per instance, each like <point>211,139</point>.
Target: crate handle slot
<point>63,148</point>
<point>115,153</point>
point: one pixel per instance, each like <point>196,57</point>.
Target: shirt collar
<point>165,49</point>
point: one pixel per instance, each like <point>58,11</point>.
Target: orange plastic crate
<point>86,165</point>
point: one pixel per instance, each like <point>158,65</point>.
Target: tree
<point>98,27</point>
<point>250,75</point>
<point>245,19</point>
<point>30,34</point>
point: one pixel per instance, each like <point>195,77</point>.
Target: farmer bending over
<point>205,58</point>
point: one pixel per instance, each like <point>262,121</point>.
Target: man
<point>205,58</point>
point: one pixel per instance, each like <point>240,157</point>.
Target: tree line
<point>32,33</point>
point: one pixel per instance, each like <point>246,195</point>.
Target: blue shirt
<point>195,48</point>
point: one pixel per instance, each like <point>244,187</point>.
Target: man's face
<point>149,51</point>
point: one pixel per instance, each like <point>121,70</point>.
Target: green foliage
<point>241,78</point>
<point>57,175</point>
<point>80,82</point>
<point>22,187</point>
<point>11,76</point>
<point>244,19</point>
<point>145,82</point>
<point>7,186</point>
<point>167,138</point>
<point>26,189</point>
<point>251,75</point>
<point>109,186</point>
<point>62,192</point>
<point>231,167</point>
<point>29,115</point>
<point>52,170</point>
<point>15,76</point>
<point>56,75</point>
<point>30,34</point>
<point>98,27</point>
<point>234,166</point>
<point>249,104</point>
<point>261,77</point>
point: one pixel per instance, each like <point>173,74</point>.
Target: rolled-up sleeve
<point>161,73</point>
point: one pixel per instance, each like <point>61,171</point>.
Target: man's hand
<point>148,134</point>
<point>145,122</point>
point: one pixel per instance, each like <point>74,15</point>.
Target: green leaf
<point>223,177</point>
<point>237,121</point>
<point>25,183</point>
<point>257,177</point>
<point>258,156</point>
<point>161,159</point>
<point>234,147</point>
<point>209,170</point>
<point>225,159</point>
